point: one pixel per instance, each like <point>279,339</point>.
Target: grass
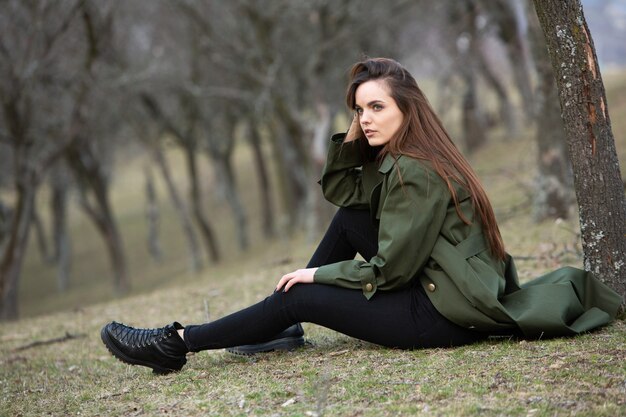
<point>332,376</point>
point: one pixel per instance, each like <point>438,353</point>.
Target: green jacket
<point>420,236</point>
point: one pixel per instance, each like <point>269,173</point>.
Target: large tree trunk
<point>554,195</point>
<point>13,254</point>
<point>597,177</point>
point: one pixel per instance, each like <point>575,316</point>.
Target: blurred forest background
<point>144,142</point>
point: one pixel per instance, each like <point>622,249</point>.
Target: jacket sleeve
<point>413,212</point>
<point>342,176</point>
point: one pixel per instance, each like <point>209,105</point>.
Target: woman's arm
<point>342,176</point>
<point>413,212</point>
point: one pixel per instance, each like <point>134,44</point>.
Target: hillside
<point>334,375</point>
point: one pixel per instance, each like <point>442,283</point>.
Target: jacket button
<point>431,287</point>
<point>369,287</point>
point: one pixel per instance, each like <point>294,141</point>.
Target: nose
<point>364,118</point>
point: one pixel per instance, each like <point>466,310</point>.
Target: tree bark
<point>597,178</point>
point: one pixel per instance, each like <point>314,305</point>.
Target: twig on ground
<point>68,336</point>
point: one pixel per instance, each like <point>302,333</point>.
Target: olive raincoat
<point>421,236</point>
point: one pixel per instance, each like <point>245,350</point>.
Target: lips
<point>369,132</point>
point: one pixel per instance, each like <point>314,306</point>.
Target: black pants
<point>400,319</point>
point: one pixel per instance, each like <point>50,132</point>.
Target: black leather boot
<point>160,349</point>
<point>288,339</point>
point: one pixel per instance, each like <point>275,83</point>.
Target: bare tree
<point>597,178</point>
<point>90,156</point>
<point>186,135</point>
<point>32,73</point>
<point>151,137</point>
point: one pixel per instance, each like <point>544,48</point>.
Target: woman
<point>436,274</point>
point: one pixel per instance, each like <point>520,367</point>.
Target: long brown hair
<point>423,136</point>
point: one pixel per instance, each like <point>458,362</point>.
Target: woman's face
<point>379,115</point>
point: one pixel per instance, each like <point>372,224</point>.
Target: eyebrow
<point>371,103</point>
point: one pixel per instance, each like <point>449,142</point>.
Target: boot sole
<point>111,347</point>
<point>286,343</point>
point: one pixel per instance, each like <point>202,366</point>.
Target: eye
<point>358,111</point>
<point>377,107</point>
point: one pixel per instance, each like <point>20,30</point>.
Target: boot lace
<point>140,337</point>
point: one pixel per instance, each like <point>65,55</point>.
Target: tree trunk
<point>319,206</point>
<point>13,254</point>
<point>206,230</point>
<point>553,196</point>
<point>187,142</point>
<point>591,145</point>
<point>90,174</point>
<point>289,142</point>
<point>267,210</point>
<point>474,123</point>
<point>102,216</point>
<point>152,218</point>
<point>195,260</point>
<point>473,120</point>
<point>60,236</point>
<point>40,236</point>
<point>220,143</point>
<point>227,179</point>
<point>506,113</point>
<point>519,55</point>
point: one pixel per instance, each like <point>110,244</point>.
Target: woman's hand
<point>354,132</point>
<point>303,276</point>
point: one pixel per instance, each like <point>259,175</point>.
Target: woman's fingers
<point>300,276</point>
<point>283,280</point>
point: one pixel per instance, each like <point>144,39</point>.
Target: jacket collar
<point>388,163</point>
